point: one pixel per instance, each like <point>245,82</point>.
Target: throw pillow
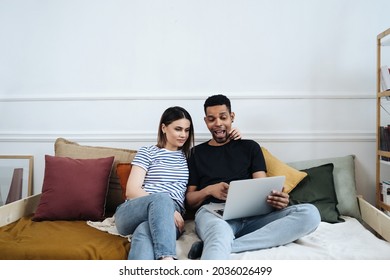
<point>74,189</point>
<point>276,167</point>
<point>344,181</point>
<point>123,171</point>
<point>66,148</point>
<point>318,189</point>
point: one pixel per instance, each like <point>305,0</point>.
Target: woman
<point>156,188</point>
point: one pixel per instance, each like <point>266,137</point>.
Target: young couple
<point>173,174</point>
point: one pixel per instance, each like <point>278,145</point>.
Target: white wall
<point>301,74</point>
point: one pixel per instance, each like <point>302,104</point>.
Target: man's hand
<point>219,190</point>
<point>278,200</point>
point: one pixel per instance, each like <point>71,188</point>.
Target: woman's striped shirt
<point>166,171</point>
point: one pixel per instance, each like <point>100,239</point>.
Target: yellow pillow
<point>275,167</point>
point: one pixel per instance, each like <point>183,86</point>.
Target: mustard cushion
<point>59,240</point>
<point>276,167</point>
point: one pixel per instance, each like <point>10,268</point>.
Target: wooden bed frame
<point>13,211</point>
<point>375,219</point>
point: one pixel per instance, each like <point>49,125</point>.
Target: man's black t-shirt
<point>236,160</point>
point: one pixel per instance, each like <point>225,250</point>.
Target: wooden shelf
<point>383,34</point>
<point>382,96</point>
<point>383,206</point>
<point>383,153</point>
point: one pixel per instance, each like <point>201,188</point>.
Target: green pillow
<point>344,181</point>
<point>318,189</point>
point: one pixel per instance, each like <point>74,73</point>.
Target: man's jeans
<point>237,235</point>
<point>150,220</point>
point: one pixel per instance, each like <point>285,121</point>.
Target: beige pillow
<point>66,148</point>
<point>275,167</point>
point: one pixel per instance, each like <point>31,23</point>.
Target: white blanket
<point>341,241</point>
<point>108,225</point>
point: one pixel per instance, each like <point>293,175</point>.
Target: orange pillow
<point>123,171</point>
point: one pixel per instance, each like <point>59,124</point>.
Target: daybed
<point>72,217</point>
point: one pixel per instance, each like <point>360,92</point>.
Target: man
<point>212,166</point>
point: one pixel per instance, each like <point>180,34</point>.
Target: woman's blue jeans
<point>150,220</point>
<point>237,235</point>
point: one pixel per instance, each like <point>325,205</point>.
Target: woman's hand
<point>235,134</point>
<point>179,221</point>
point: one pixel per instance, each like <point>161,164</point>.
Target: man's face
<point>219,122</point>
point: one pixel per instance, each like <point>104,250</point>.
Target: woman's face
<point>176,133</point>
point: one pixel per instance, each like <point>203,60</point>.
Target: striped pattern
<point>166,171</point>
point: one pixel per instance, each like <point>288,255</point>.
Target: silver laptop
<point>247,198</point>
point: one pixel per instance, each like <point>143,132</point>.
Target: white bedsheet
<point>341,241</point>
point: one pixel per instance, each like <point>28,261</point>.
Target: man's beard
<point>220,140</point>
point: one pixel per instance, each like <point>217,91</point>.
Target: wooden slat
<point>375,218</point>
<point>13,211</point>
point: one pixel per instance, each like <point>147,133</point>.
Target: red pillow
<point>74,189</point>
<point>123,171</point>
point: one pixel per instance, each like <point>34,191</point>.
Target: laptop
<point>247,198</point>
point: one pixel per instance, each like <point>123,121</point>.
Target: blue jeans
<point>150,221</point>
<point>259,232</point>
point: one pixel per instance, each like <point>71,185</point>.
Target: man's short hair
<point>218,99</point>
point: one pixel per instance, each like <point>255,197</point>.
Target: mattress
<point>349,240</point>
